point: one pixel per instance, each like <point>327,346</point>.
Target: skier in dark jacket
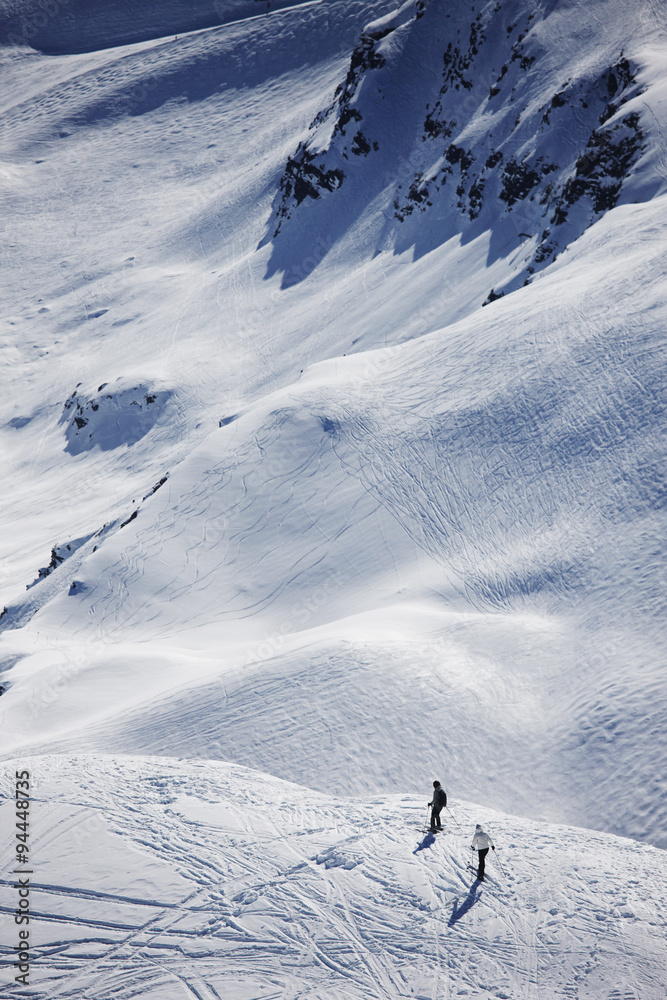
<point>437,804</point>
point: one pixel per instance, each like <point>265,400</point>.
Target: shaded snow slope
<point>82,26</point>
<point>312,464</point>
<point>211,880</point>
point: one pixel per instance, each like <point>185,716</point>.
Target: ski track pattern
<point>313,898</point>
<point>226,506</point>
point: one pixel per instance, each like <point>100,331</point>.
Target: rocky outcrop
<point>116,415</point>
<point>308,174</point>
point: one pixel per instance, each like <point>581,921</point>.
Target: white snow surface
<point>323,526</point>
<point>174,879</point>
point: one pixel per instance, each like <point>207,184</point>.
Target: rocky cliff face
<point>503,132</point>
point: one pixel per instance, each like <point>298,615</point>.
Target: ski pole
<point>500,863</point>
<point>428,821</point>
<point>454,818</point>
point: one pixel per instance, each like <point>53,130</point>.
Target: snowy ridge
<point>211,880</point>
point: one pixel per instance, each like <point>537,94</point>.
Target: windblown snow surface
<point>332,432</point>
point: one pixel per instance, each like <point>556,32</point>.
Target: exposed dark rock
<point>157,486</point>
<point>546,250</point>
<point>56,559</point>
<point>477,36</point>
<point>59,553</point>
<point>417,196</point>
<point>492,296</point>
<point>519,179</point>
<point>364,59</point>
<point>360,145</point>
<point>606,161</point>
<point>598,149</point>
<point>455,62</point>
<point>303,178</point>
<point>475,198</point>
<point>346,116</point>
<point>558,100</point>
<point>130,518</point>
<point>112,419</point>
<point>306,174</point>
<point>435,128</point>
<point>457,154</point>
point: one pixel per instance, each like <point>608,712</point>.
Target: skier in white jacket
<point>481,843</point>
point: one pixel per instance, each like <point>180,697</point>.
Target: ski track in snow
<point>271,891</point>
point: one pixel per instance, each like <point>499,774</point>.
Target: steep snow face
<point>323,513</point>
<point>211,880</point>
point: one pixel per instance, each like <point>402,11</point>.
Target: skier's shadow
<point>426,842</point>
<point>468,902</point>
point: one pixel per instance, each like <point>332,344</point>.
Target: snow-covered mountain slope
<point>332,432</point>
<point>209,880</point>
<point>306,503</point>
<point>82,26</point>
<point>512,631</point>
